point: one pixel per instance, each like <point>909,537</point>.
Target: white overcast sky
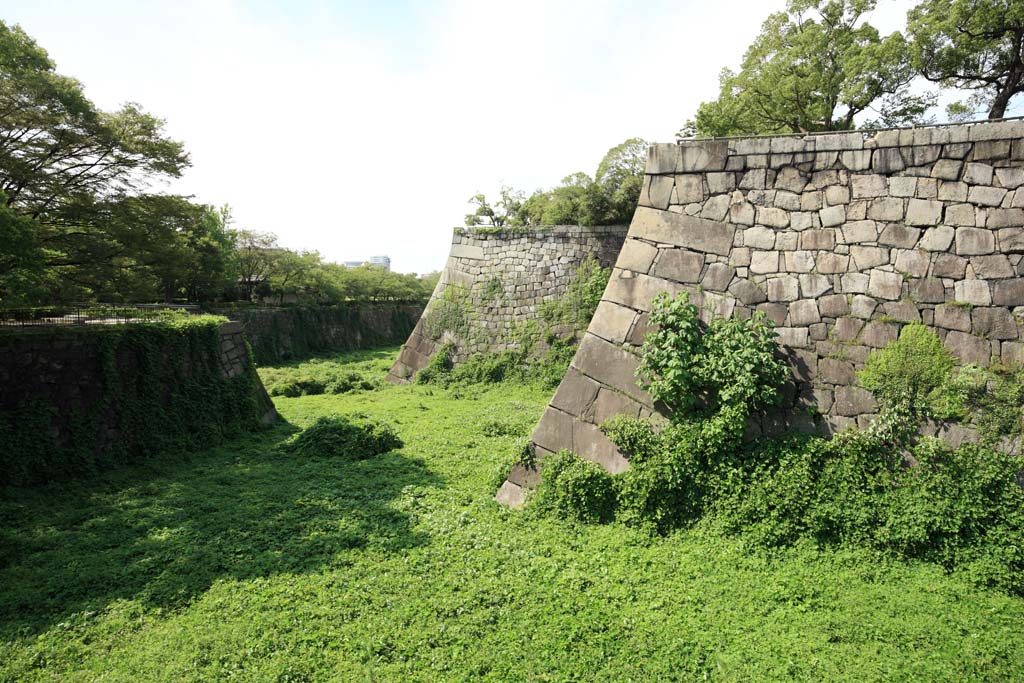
<point>361,128</point>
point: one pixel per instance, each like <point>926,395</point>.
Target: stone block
<point>800,261</point>
<point>813,285</point>
<point>554,431</point>
<point>832,371</point>
<point>998,130</point>
<point>1005,218</point>
<point>833,306</point>
<point>847,329</point>
<point>811,201</point>
<point>974,292</point>
<point>716,208</point>
<point>747,292</point>
<point>787,241</point>
<point>939,238</point>
<point>832,215</point>
<point>657,191</point>
<point>968,348</point>
<point>924,212</point>
<point>1011,240</point>
<point>887,160</point>
<point>611,403</point>
<point>949,266</point>
<point>974,241</point>
<point>1008,292</point>
<point>803,313</point>
<point>860,231</point>
<point>771,216</point>
<point>683,231</point>
<point>839,141</point>
<point>705,155</point>
<point>854,283</point>
<point>993,323</point>
<point>611,322</point>
<point>717,277</point>
<point>663,158</point>
<point>679,265</point>
<point>869,257</point>
<point>992,267</point>
<point>759,237</point>
<point>754,179</point>
<point>773,311</point>
<point>793,337</point>
<point>912,262</point>
<point>992,150</point>
<point>878,334</point>
<point>953,317</point>
<point>978,174</point>
<point>591,444</point>
<point>790,179</point>
<point>764,262</point>
<point>865,186</point>
<point>751,145</point>
<point>896,235</point>
<point>636,256</point>
<point>740,257</point>
<point>952,191</point>
<point>1010,178</point>
<point>611,366</point>
<point>467,251</point>
<point>792,144</point>
<point>927,290</point>
<point>884,285</point>
<point>510,495</point>
<point>576,392</point>
<point>689,189</point>
<point>741,213</point>
<point>639,290</point>
<point>852,401</point>
<point>863,306</point>
<point>986,196</point>
<point>1013,353</point>
<point>830,263</point>
<point>961,215</point>
<point>783,288</point>
<point>720,183</point>
<point>856,160</point>
<point>904,311</point>
<point>947,169</point>
<point>818,239</point>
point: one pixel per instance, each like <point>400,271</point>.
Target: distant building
<point>382,261</point>
<point>353,264</point>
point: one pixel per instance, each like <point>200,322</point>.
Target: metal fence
<point>88,314</point>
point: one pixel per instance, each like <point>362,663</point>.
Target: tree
<point>620,176</point>
<point>503,213</point>
<point>289,270</point>
<point>815,67</point>
<point>971,44</point>
<point>254,257</point>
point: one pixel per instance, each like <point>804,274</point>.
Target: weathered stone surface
<point>638,291</point>
<point>961,214</point>
<point>1005,218</point>
<point>785,288</point>
<point>927,290</point>
<point>510,495</point>
<point>856,232</point>
<point>1008,292</point>
<point>834,305</point>
<point>912,262</point>
<point>720,183</point>
<point>657,191</point>
<point>895,235</point>
<point>832,215</point>
<point>716,208</point>
<point>863,306</point>
<point>611,366</point>
<point>747,292</point>
<point>939,238</point>
<point>986,196</point>
<point>759,237</point>
<point>847,329</point>
<point>993,323</point>
<point>869,257</point>
<point>904,311</point>
<point>974,241</point>
<point>832,263</point>
<point>833,371</point>
<point>813,285</point>
<point>683,231</point>
<point>576,392</point>
<point>949,265</point>
<point>689,188</point>
<point>803,313</point>
<point>968,348</point>
<point>771,216</point>
<point>946,169</point>
<point>818,239</point>
<point>1011,240</point>
<point>764,262</point>
<point>886,209</point>
<point>924,212</point>
<point>884,285</point>
<point>978,174</point>
<point>679,265</point>
<point>878,334</point>
<point>636,256</point>
<point>953,317</point>
<point>887,161</point>
<point>611,322</point>
<point>992,267</point>
<point>1010,178</point>
<point>852,401</point>
<point>974,292</point>
<point>800,261</point>
<point>868,186</point>
<point>467,251</point>
<point>718,277</point>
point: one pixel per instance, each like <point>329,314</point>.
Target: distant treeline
<point>79,222</point>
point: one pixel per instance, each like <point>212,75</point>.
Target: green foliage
<point>241,564</point>
<point>312,378</point>
<point>354,437</point>
<point>695,371</point>
<point>970,44</point>
<point>138,366</point>
<point>814,67</point>
<point>439,366</point>
<point>609,198</point>
<point>915,370</point>
<point>576,488</point>
<point>450,313</point>
<point>582,295</point>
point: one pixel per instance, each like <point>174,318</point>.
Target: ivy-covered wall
<point>496,280</point>
<point>278,334</point>
<point>79,400</point>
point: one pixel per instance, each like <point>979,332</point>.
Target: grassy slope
<point>243,564</point>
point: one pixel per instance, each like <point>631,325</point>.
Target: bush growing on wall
<point>161,391</point>
<point>355,437</point>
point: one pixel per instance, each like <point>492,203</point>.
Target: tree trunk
<point>999,104</point>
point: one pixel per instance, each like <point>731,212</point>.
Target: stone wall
<point>73,394</point>
<point>285,333</point>
<point>840,239</point>
<point>494,281</point>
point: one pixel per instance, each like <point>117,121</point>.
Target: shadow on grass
<point>163,535</point>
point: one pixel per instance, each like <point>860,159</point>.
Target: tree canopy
<point>971,44</point>
<point>818,66</point>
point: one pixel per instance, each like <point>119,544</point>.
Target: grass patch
<point>246,564</point>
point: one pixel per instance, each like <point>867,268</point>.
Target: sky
<point>362,128</point>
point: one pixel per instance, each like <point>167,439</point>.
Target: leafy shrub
<point>582,295</point>
<point>356,437</point>
<point>915,369</point>
<point>576,488</point>
<point>696,372</point>
<point>450,313</point>
<point>439,366</point>
<point>304,381</point>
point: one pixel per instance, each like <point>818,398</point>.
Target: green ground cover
<point>251,563</point>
